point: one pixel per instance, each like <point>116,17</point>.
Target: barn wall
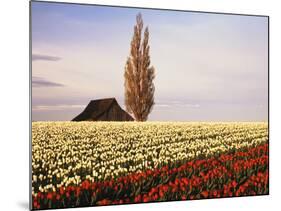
<point>115,113</point>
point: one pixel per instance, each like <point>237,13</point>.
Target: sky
<point>209,67</point>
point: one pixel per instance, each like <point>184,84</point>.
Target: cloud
<point>41,82</point>
<point>174,104</point>
<point>189,105</point>
<point>162,105</point>
<point>37,57</point>
<point>55,107</point>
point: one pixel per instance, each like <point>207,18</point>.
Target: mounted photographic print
<point>135,105</point>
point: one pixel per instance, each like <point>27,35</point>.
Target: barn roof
<point>96,108</point>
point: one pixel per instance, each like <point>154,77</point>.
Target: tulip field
<point>100,163</point>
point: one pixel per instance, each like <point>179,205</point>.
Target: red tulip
<point>205,194</point>
<point>50,196</point>
<point>137,199</point>
<point>183,197</point>
<point>103,202</point>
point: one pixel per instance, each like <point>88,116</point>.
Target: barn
<point>103,110</point>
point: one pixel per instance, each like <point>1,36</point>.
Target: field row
<point>231,174</point>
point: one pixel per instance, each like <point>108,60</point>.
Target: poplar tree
<point>139,75</point>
